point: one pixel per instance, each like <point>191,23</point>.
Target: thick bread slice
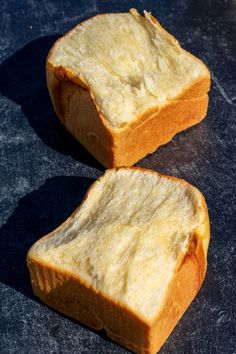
<point>130,259</point>
<point>123,86</point>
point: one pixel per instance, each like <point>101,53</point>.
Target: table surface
<point>44,172</point>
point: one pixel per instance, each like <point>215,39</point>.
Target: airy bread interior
<point>128,237</point>
<point>129,62</point>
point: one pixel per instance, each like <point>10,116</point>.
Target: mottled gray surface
<point>45,172</point>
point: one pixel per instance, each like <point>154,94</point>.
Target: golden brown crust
<point>182,291</point>
<point>68,294</point>
<point>158,129</point>
<point>74,106</point>
<point>113,148</point>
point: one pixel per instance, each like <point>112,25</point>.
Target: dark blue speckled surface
<point>44,172</point>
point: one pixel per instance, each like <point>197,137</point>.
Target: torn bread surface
<point>128,238</point>
<point>129,63</point>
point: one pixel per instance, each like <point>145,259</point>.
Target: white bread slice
<point>130,259</point>
<point>123,86</point>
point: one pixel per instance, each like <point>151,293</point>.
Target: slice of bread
<point>130,259</point>
<point>123,86</point>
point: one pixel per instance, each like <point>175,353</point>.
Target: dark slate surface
<point>45,172</point>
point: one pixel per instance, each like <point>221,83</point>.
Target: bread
<point>123,86</point>
<point>130,259</point>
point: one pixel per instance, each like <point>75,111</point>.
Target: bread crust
<point>115,147</point>
<point>124,147</point>
<point>71,296</point>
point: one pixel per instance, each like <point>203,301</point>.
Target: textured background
<point>44,172</point>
